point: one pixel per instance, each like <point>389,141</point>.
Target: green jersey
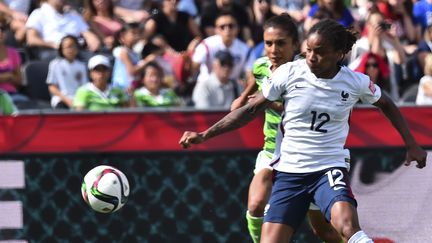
<point>166,98</point>
<point>7,107</point>
<point>93,99</point>
<point>262,71</point>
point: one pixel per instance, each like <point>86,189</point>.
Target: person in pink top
<point>10,66</point>
<point>99,14</point>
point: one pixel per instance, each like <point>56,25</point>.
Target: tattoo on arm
<point>236,119</point>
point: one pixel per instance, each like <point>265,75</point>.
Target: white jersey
<point>316,114</point>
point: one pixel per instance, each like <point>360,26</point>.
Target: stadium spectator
<point>424,93</point>
<point>297,9</point>
<point>152,93</point>
<point>66,74</point>
<point>211,12</point>
<point>260,12</point>
<point>224,39</point>
<point>174,30</point>
<point>132,11</point>
<point>10,67</point>
<point>416,62</point>
<point>422,12</point>
<point>98,94</point>
<point>218,90</point>
<point>16,12</point>
<point>380,39</point>
<point>377,69</point>
<point>127,63</point>
<point>99,14</point>
<point>339,11</point>
<point>395,12</point>
<point>7,106</point>
<point>47,25</point>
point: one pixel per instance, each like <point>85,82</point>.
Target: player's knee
<point>256,206</point>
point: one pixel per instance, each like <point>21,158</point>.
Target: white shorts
<point>263,161</point>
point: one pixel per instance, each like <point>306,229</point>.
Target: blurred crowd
<point>106,54</point>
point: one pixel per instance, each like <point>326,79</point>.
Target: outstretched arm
<point>234,120</point>
<point>414,151</point>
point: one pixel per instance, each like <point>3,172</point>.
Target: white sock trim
<point>360,237</point>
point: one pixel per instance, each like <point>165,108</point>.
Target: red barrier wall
<point>160,131</point>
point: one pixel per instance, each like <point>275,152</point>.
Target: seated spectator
<point>176,30</point>
<point>422,12</point>
<point>66,74</point>
<point>127,63</point>
<point>132,11</point>
<point>16,12</point>
<point>417,60</point>
<point>7,106</point>
<point>98,94</point>
<point>10,67</point>
<point>218,90</point>
<point>339,12</point>
<point>377,69</point>
<point>297,9</point>
<point>47,25</point>
<point>424,93</point>
<point>261,11</point>
<point>212,11</point>
<point>152,93</point>
<point>99,14</point>
<point>225,39</point>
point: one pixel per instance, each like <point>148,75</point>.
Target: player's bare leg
<point>276,233</point>
<point>259,193</point>
<point>322,228</point>
<point>344,219</point>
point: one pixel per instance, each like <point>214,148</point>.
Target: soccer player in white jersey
<point>280,43</point>
<point>318,95</point>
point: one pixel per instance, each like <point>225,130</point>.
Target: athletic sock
<point>360,237</point>
<point>254,226</point>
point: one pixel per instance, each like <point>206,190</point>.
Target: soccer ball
<point>105,189</point>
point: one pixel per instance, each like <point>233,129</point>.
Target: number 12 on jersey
<point>320,119</point>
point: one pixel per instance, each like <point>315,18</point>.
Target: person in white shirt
<point>66,74</point>
<point>309,161</point>
<point>225,39</point>
<point>218,90</point>
<point>424,93</point>
<point>47,25</point>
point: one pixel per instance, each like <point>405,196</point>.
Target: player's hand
<point>416,153</point>
<point>189,138</point>
<point>237,103</point>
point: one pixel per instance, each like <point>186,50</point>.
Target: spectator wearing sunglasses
<point>224,39</point>
<point>377,69</point>
<point>211,12</point>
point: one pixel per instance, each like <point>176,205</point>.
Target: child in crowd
<point>127,63</point>
<point>152,94</point>
<point>66,74</point>
<point>99,95</point>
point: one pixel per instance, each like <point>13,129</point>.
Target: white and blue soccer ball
<point>105,189</point>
